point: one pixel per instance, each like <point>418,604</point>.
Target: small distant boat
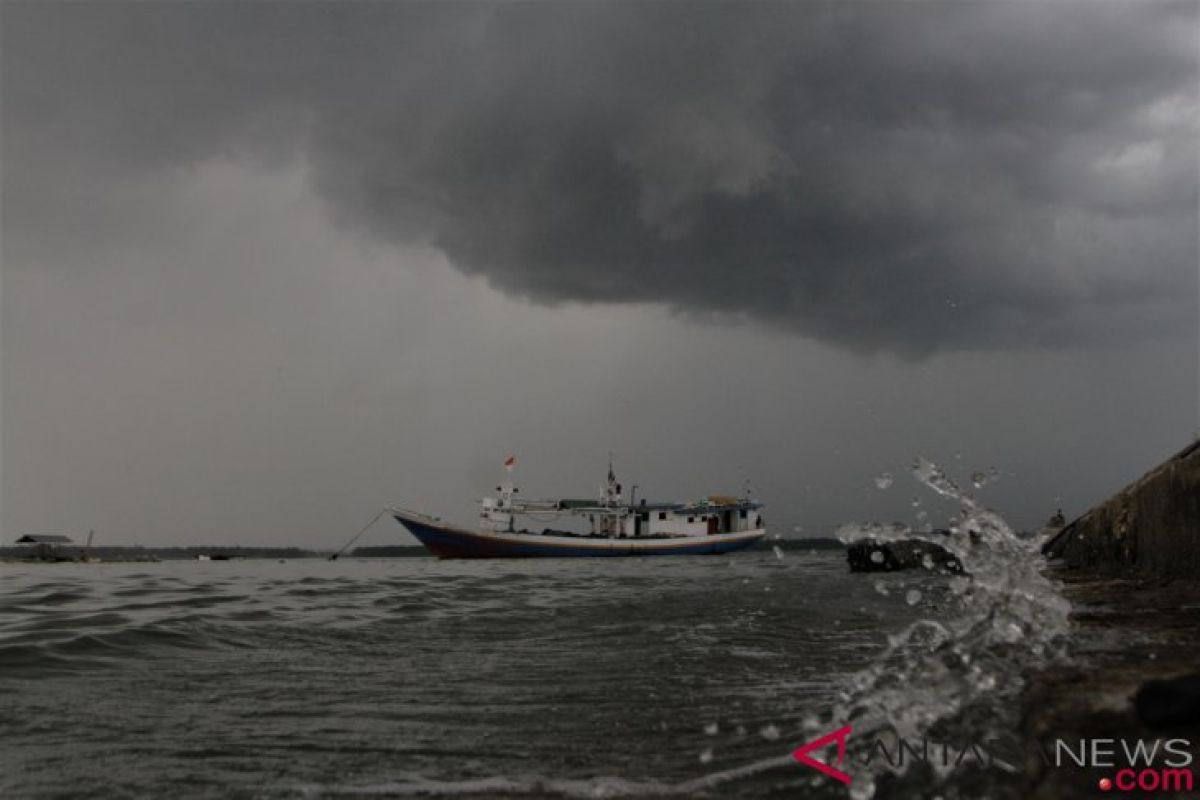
<point>717,524</point>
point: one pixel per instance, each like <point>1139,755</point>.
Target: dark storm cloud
<point>906,176</point>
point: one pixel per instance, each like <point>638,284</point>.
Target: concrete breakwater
<point>1151,526</point>
<point>1128,567</point>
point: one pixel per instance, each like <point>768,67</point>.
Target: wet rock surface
<point>1132,675</point>
<point>1169,703</point>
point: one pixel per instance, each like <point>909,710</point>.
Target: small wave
<point>196,601</point>
<point>51,595</point>
<point>58,621</point>
<point>604,787</point>
<point>90,650</point>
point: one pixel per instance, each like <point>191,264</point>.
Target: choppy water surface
<point>418,676</point>
<point>686,676</point>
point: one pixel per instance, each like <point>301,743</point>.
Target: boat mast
<point>498,514</point>
<point>611,518</point>
<point>611,495</point>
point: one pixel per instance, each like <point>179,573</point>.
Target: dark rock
<point>870,555</point>
<point>1169,703</point>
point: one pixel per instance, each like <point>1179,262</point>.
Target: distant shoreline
<point>136,553</point>
<point>26,554</point>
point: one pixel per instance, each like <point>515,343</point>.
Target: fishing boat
<point>605,526</point>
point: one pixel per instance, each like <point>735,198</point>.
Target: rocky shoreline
<point>1126,632</point>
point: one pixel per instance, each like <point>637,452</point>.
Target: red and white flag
<point>510,462</point>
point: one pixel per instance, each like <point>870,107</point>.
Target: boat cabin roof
<point>698,507</point>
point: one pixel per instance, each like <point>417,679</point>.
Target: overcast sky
<point>267,266</point>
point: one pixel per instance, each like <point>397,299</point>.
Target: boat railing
<point>408,512</point>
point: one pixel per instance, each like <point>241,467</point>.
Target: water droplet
<point>711,729</point>
<point>778,552</point>
<point>863,788</point>
<point>916,502</point>
<point>877,556</point>
<point>881,587</point>
<point>769,732</point>
<point>1007,588</point>
<point>884,480</point>
<point>922,514</point>
<point>927,562</point>
<point>706,756</point>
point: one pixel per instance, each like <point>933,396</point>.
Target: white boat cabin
<point>611,516</point>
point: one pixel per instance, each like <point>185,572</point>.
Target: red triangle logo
<point>801,754</point>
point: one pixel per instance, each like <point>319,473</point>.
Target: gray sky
<point>267,266</point>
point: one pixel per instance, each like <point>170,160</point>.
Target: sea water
<point>682,676</point>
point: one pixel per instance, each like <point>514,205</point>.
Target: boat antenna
<point>612,488</point>
<point>508,488</point>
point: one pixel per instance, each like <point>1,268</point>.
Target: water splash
<point>1007,617</point>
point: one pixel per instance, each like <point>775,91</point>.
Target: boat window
<point>691,519</point>
<point>645,516</point>
<point>742,513</point>
<point>662,515</point>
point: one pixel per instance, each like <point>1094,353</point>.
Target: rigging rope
<point>374,519</point>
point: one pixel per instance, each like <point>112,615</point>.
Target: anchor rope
<point>367,527</point>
